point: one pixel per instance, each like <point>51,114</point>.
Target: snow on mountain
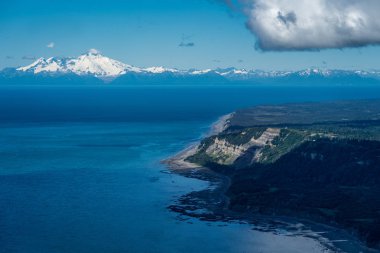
<point>314,71</point>
<point>159,70</point>
<point>94,63</point>
<point>231,71</point>
<point>91,63</point>
<point>44,65</point>
<point>200,72</point>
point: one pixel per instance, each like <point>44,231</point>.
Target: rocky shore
<point>214,203</point>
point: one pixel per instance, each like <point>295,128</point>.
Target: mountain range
<point>95,68</point>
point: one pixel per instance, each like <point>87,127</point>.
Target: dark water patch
<point>153,104</point>
<point>107,145</point>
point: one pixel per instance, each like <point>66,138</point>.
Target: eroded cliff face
<point>266,133</point>
<point>288,161</point>
<point>227,153</point>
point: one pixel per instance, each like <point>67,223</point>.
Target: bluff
<point>319,161</point>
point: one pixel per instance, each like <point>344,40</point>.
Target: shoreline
<point>221,124</point>
<point>213,197</point>
<point>211,204</point>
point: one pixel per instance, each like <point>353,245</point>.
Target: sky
<point>201,34</point>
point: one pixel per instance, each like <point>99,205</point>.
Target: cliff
<point>316,160</point>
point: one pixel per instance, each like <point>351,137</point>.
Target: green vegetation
<point>324,164</point>
<point>242,136</point>
<point>329,180</point>
<point>201,157</point>
<point>307,113</point>
<point>289,138</point>
<point>282,144</point>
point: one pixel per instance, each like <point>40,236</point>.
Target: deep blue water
<point>151,104</point>
<point>80,168</point>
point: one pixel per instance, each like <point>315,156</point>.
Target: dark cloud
<point>289,18</point>
<point>28,58</point>
<point>186,41</point>
<point>186,44</point>
<point>8,57</point>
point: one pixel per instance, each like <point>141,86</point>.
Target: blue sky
<point>149,33</point>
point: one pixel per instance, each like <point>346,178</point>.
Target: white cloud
<point>93,51</point>
<point>50,45</point>
<point>313,24</point>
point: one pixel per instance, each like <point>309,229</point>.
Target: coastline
<point>212,198</point>
<point>177,162</point>
<point>211,204</point>
<point>221,124</point>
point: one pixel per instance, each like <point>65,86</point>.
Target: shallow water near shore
<point>80,169</point>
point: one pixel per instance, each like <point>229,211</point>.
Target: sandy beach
<point>177,162</point>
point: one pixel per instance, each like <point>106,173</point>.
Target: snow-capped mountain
<point>159,70</point>
<point>234,73</point>
<point>95,65</point>
<point>44,65</point>
<point>91,63</point>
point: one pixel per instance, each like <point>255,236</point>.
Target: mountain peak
<point>91,63</point>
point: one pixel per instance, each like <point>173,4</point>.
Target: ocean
<point>80,168</point>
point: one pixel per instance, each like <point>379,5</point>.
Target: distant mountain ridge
<point>91,63</point>
<point>95,65</point>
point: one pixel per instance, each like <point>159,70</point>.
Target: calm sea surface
<point>80,168</point>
